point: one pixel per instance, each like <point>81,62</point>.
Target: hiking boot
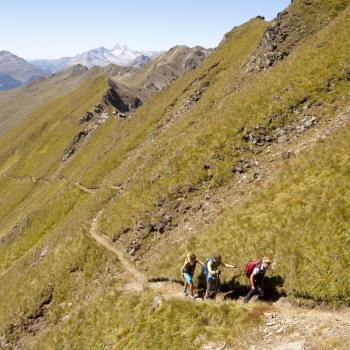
<point>184,292</point>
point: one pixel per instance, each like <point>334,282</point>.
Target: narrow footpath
<point>286,326</point>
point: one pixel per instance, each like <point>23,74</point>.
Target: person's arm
<point>229,266</point>
<point>199,262</point>
<point>183,266</point>
<point>252,281</point>
<point>254,273</point>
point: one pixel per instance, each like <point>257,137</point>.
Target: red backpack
<point>249,267</point>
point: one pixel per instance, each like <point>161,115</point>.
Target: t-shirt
<point>213,266</point>
<point>189,268</point>
<point>259,271</point>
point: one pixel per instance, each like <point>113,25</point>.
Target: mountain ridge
<point>18,69</point>
<point>120,55</point>
<point>246,163</point>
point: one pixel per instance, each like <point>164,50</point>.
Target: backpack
<point>249,267</point>
<point>205,271</point>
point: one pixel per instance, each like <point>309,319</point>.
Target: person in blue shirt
<point>213,277</point>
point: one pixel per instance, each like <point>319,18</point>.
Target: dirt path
<point>286,327</point>
<point>85,189</point>
<point>289,327</point>
<point>137,281</point>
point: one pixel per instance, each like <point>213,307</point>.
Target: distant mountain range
<point>15,71</point>
<point>120,55</point>
<point>130,82</point>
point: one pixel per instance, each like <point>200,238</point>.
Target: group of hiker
<point>254,270</point>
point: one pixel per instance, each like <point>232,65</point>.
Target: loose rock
<point>86,117</point>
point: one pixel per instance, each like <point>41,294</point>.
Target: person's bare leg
<point>185,288</point>
<point>191,289</point>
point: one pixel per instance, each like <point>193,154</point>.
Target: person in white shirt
<point>256,279</point>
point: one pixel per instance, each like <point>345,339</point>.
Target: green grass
<point>73,268</point>
<point>174,325</point>
<point>39,141</point>
<point>178,159</point>
<point>40,223</point>
<point>300,219</point>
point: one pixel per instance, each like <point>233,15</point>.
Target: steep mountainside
<point>167,67</point>
<point>19,103</point>
<point>18,68</point>
<point>32,95</point>
<point>100,200</point>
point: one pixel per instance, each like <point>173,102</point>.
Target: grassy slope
<point>36,144</point>
<point>174,325</point>
<point>48,249</point>
<point>19,103</point>
<point>58,214</point>
<point>72,268</point>
<point>301,219</point>
<point>56,217</point>
<point>175,159</point>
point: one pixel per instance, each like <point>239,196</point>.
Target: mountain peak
<point>15,70</point>
<point>120,55</point>
<point>121,47</point>
<point>11,56</point>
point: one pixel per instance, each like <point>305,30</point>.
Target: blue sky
<point>52,29</point>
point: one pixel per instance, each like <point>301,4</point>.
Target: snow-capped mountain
<point>121,55</point>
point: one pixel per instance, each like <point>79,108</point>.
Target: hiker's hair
<point>266,260</point>
<point>217,256</point>
<point>191,256</point>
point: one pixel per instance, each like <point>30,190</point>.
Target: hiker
<point>187,271</point>
<point>212,272</point>
<point>255,271</point>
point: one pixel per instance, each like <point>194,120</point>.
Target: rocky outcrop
<point>195,59</point>
<point>98,108</point>
<point>120,97</point>
<point>242,166</point>
<point>167,67</point>
<point>16,230</point>
<point>86,117</point>
<point>277,42</point>
<point>69,151</point>
<point>288,29</point>
<point>78,70</point>
<point>260,135</point>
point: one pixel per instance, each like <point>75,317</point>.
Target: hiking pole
<point>217,284</point>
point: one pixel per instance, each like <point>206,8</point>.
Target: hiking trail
<point>286,326</point>
<point>138,282</point>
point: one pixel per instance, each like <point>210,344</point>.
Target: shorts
<point>188,278</point>
<point>213,286</point>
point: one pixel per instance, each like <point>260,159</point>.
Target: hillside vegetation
<point>245,162</point>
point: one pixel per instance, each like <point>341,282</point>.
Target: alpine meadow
<point>111,176</point>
